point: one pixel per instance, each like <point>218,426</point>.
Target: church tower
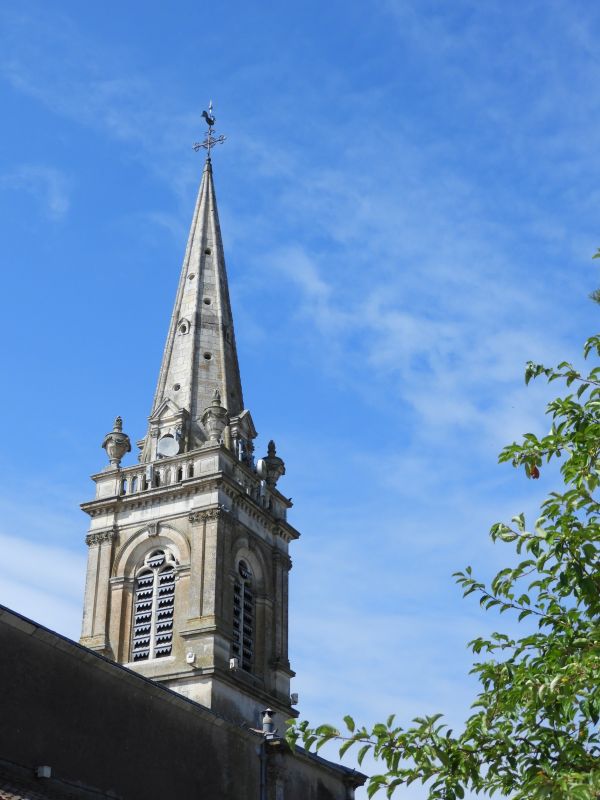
<point>187,577</point>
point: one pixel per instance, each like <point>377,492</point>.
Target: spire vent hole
<point>207,356</point>
<point>207,301</point>
<point>207,251</point>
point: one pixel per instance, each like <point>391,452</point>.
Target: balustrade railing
<point>151,476</point>
<point>142,477</point>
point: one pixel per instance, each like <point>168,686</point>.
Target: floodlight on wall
<point>234,663</point>
<point>294,698</point>
<point>190,657</point>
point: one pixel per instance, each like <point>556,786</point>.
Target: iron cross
<point>209,141</point>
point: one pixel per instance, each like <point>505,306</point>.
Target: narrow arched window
<point>242,646</point>
<point>154,604</point>
<point>134,484</point>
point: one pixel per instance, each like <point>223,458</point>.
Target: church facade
<point>184,645</point>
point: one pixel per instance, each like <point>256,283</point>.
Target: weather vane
<point>210,141</point>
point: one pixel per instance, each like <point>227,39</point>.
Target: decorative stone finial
<point>116,443</point>
<point>215,418</point>
<point>273,465</point>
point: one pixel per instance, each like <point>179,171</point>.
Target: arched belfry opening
<point>153,607</point>
<point>242,645</point>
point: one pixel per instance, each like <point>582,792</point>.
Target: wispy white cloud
<point>44,582</point>
<point>97,87</point>
<point>50,186</point>
<point>49,567</point>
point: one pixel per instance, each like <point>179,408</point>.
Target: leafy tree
<point>595,295</point>
<point>533,732</point>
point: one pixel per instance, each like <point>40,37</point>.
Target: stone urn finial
<point>116,443</point>
<point>274,466</point>
<point>215,418</point>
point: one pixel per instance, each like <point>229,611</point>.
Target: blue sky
<point>409,202</point>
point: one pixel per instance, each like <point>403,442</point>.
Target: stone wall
<point>100,725</point>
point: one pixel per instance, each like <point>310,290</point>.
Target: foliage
<point>533,732</point>
<point>595,295</point>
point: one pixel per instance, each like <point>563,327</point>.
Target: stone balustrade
<point>174,471</point>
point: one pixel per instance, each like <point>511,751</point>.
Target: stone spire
<point>200,355</point>
<point>188,561</point>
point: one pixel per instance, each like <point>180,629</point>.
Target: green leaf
<point>362,753</point>
<point>346,746</point>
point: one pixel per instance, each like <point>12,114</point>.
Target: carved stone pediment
<point>242,426</point>
<point>167,411</point>
<point>168,420</point>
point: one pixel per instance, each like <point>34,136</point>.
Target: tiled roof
<point>21,788</point>
<point>18,791</point>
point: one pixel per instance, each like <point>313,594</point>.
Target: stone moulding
<point>207,514</point>
<point>100,537</point>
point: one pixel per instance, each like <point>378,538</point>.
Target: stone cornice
<point>282,665</point>
<point>249,506</point>
<point>191,487</point>
<point>147,497</point>
<point>100,536</point>
<point>287,531</point>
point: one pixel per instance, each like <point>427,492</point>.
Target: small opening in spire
<point>207,356</point>
<point>207,251</point>
<point>207,301</point>
<point>191,277</point>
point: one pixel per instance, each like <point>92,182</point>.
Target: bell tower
<point>187,576</point>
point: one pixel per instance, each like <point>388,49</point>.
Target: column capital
<point>99,537</point>
<point>207,514</point>
<point>283,559</point>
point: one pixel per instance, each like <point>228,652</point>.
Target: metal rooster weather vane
<point>210,141</point>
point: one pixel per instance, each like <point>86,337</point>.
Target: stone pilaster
<point>95,613</point>
<point>204,562</point>
<point>121,591</point>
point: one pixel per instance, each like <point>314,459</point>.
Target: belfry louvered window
<point>242,646</point>
<point>153,607</point>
